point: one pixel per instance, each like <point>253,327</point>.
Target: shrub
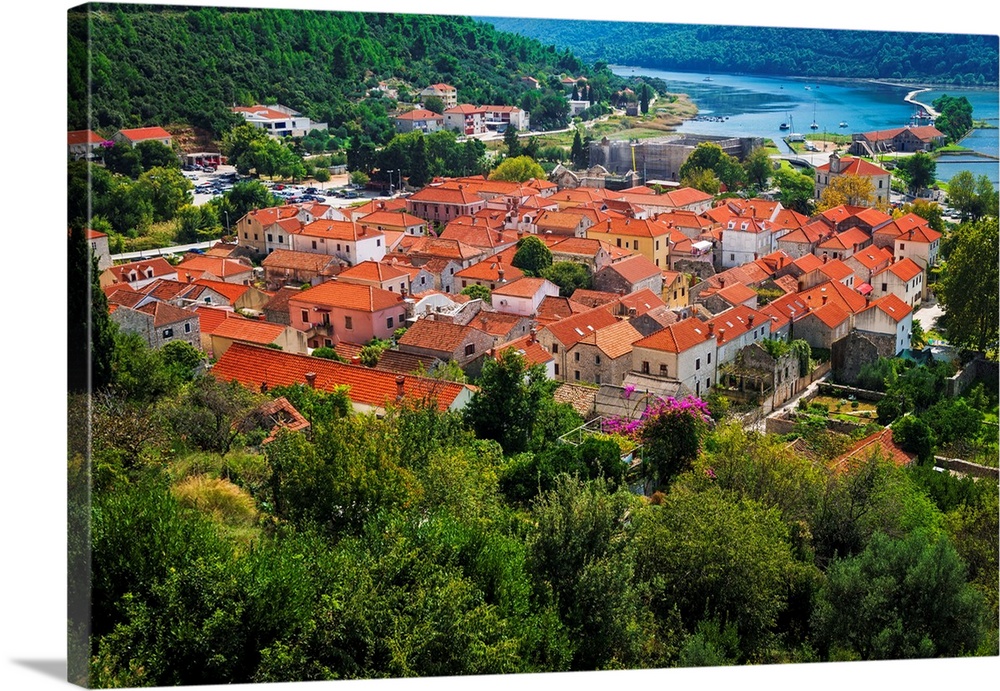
<point>218,498</point>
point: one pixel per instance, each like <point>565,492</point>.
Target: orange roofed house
<point>684,352</point>
<point>854,167</point>
<point>335,311</point>
<point>370,390</point>
<point>82,143</point>
<point>143,134</point>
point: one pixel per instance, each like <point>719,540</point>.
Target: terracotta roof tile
<point>441,336</point>
<point>530,349</point>
<point>904,269</point>
<point>217,266</point>
<point>249,330</point>
<point>349,296</point>
<point>523,287</point>
<point>678,337</point>
<point>372,271</point>
<point>254,365</point>
<point>855,166</point>
<point>143,133</point>
<point>593,298</point>
<point>301,261</point>
<point>553,308</point>
<point>892,306</point>
<point>614,340</point>
<point>211,317</point>
<point>880,443</point>
<point>570,330</point>
<point>634,269</point>
<point>164,314</point>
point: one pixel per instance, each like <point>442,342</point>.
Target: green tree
<point>577,550</point>
<point>918,170</point>
<point>519,169</point>
<point>578,153</point>
<point>645,93</point>
<point>512,142</point>
<point>898,599</point>
<point>796,190</point>
<point>715,557</point>
<point>973,197</point>
<point>970,296</point>
<point>568,276</point>
<point>477,292</point>
<point>241,145</point>
<point>420,173</point>
<point>925,209</point>
<point>90,332</point>
<point>153,154</point>
<point>758,169</point>
<point>359,178</point>
<point>123,159</point>
<point>167,190</point>
<point>671,435</point>
<point>704,180</point>
<point>244,197</point>
<point>506,406</point>
<point>851,190</point>
<point>209,414</point>
<point>532,256</point>
<point>915,435</point>
<point>434,104</point>
<point>709,156</point>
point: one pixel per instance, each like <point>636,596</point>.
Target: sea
<point>755,106</point>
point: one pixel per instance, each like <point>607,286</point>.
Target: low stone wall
<point>785,424</point>
<point>979,368</point>
<point>967,468</point>
<point>843,391</point>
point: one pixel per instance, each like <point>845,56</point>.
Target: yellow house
<point>643,236</point>
<point>675,290</point>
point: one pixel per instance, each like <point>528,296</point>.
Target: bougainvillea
<point>670,431</point>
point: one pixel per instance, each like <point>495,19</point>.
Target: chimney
<point>722,335</point>
<point>355,359</point>
<point>532,334</point>
<point>711,328</point>
<point>824,299</point>
<point>500,273</point>
<point>400,380</point>
<point>750,319</point>
<point>825,257</point>
<point>311,379</point>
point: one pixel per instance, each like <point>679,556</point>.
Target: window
<point>657,244</point>
<point>470,349</point>
<point>885,287</point>
<point>709,359</point>
<point>708,384</point>
<point>880,184</point>
<point>338,246</point>
<point>378,242</point>
<point>314,244</point>
<point>168,333</point>
<point>349,322</point>
<point>555,348</point>
<point>663,369</point>
<point>246,236</point>
<point>388,323</point>
<point>697,363</point>
<point>597,359</point>
<point>635,244</point>
<point>576,356</point>
<point>732,257</point>
<point>464,283</point>
<point>576,375</point>
<point>423,280</point>
<point>281,239</point>
<point>327,342</point>
<point>556,370</point>
<point>645,367</point>
<point>305,315</point>
<point>902,245</point>
<point>255,236</point>
<point>187,327</point>
<point>619,242</point>
<point>675,295</point>
<point>270,238</point>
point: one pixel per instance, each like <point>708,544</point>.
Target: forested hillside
<point>962,59</point>
<point>158,65</point>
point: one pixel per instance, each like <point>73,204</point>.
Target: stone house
<point>464,344</point>
<point>559,337</point>
<point>629,276</point>
<point>684,352</point>
<point>603,356</point>
<point>291,268</point>
<point>888,323</point>
<point>159,323</point>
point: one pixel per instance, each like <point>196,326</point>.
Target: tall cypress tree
<point>90,332</point>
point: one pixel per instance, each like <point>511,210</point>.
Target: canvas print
<point>425,345</point>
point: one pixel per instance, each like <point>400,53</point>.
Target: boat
<point>783,126</point>
<point>843,123</point>
<point>808,88</point>
<point>814,126</point>
<point>707,79</point>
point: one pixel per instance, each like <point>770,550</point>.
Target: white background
<point>32,496</point>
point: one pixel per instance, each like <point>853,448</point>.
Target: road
<point>163,251</point>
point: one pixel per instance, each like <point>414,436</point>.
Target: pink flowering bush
<point>670,430</point>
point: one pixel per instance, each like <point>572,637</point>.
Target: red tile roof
<point>420,114</point>
<point>398,218</point>
<point>880,443</point>
<point>211,317</point>
<point>736,294</point>
<point>593,298</point>
<point>830,314</point>
<point>846,240</point>
<point>346,231</point>
<point>249,330</point>
<point>300,261</point>
<point>552,309</point>
<point>836,269</point>
<point>430,334</point>
<point>904,269</point>
<point>629,226</point>
<point>231,291</point>
<point>872,256</point>
<point>349,296</point>
<point>372,271</point>
<point>530,349</point>
<point>570,330</point>
<point>164,314</point>
<point>144,133</point>
<point>634,269</point>
<point>523,287</point>
<point>160,267</point>
<point>83,137</point>
<point>217,266</point>
<point>254,365</point>
<point>498,324</point>
<point>855,166</point>
<point>677,338</point>
<point>614,340</point>
<point>923,133</point>
<point>834,292</point>
<point>892,306</point>
<point>641,301</point>
<point>920,234</point>
<point>489,270</point>
<point>737,321</point>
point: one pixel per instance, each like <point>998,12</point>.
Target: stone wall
<point>966,468</point>
<point>850,354</point>
<point>977,369</point>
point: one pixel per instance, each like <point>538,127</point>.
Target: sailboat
<point>814,125</point>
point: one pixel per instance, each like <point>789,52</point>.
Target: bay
<point>755,106</point>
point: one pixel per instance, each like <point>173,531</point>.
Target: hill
<point>956,58</point>
<point>161,64</point>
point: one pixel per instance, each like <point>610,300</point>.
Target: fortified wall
<point>662,158</point>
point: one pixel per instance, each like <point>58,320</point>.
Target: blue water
<point>753,106</point>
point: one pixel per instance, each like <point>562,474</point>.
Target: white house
<point>523,295</point>
<point>887,316</point>
<point>278,120</point>
<point>352,241</point>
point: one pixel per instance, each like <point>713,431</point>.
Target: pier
<point>910,98</point>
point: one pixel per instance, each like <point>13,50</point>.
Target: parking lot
<point>213,183</point>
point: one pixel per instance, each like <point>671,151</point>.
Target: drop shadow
<point>50,668</point>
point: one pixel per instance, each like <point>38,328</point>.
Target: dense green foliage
<point>969,294</point>
<point>962,59</point>
<point>161,64</point>
<point>955,118</point>
<point>532,256</point>
<point>413,544</point>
